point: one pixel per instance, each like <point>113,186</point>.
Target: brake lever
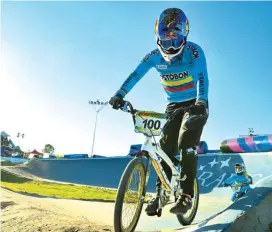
<point>125,107</point>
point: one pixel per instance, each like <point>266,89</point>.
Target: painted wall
<point>213,170</point>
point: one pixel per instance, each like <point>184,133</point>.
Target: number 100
<point>152,124</point>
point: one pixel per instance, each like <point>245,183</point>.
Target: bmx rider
<point>183,73</point>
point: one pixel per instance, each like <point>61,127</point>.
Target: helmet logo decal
<point>156,26</point>
<point>187,26</point>
<point>171,35</point>
<point>171,19</point>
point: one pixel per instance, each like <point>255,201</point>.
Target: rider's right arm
<point>228,181</point>
<point>134,77</point>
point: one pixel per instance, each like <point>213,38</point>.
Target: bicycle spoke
<point>132,199</point>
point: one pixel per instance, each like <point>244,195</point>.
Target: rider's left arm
<point>203,81</point>
<point>249,178</point>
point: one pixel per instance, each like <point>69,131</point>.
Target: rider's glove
<point>198,108</point>
<point>117,101</point>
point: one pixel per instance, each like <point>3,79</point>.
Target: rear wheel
<point>187,219</point>
<point>129,203</point>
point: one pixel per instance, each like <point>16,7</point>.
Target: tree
<point>48,148</point>
<point>18,149</point>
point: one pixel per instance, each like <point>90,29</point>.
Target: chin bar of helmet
<point>169,57</point>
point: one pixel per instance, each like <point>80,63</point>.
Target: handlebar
<point>128,107</point>
<point>239,184</point>
<point>245,184</point>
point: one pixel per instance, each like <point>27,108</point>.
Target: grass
<point>48,189</point>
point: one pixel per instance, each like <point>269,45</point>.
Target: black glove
<point>198,109</point>
<point>117,101</point>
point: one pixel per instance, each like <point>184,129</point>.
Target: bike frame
<point>153,149</point>
<point>153,153</point>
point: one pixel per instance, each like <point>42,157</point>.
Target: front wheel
<point>187,219</point>
<point>127,217</point>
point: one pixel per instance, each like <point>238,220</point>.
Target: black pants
<point>174,139</point>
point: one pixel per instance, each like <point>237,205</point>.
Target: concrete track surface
<point>216,211</point>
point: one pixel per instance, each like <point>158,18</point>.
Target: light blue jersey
<point>245,178</point>
<point>184,79</point>
<point>236,181</point>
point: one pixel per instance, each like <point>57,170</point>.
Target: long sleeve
<point>135,76</point>
<point>203,80</point>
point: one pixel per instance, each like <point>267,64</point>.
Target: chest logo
<point>161,66</point>
<point>176,76</point>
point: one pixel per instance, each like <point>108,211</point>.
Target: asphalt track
<point>216,212</point>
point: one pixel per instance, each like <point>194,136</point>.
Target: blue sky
<point>58,55</point>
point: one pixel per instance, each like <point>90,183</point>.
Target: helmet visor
<point>171,43</point>
<point>171,36</point>
<point>238,169</point>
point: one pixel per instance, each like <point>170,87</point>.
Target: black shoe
<point>152,207</point>
<point>182,205</point>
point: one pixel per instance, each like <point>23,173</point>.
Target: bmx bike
<point>150,124</point>
<point>239,190</point>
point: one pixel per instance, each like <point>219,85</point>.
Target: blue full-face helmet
<point>171,30</point>
<point>239,169</point>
